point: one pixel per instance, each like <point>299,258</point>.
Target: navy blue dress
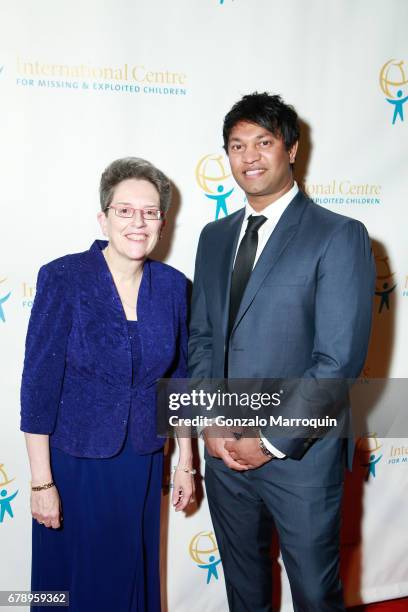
<point>106,553</point>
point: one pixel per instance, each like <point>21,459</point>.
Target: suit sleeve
<point>200,342</point>
<point>45,352</point>
<point>343,307</point>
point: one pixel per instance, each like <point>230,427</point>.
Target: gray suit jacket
<point>305,313</point>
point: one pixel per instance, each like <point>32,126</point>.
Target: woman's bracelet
<point>43,487</point>
<point>186,470</point>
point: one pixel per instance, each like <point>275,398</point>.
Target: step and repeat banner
<point>83,83</point>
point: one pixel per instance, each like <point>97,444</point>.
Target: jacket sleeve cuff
<point>278,454</point>
<point>36,425</point>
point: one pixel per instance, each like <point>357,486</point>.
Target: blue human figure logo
<point>5,505</point>
<point>371,466</point>
<point>385,296</point>
<point>221,200</point>
<point>211,567</point>
<point>2,300</point>
<point>398,106</point>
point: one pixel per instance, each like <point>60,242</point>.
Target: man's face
<point>260,163</point>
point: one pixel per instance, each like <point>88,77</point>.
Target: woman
<point>105,325</point>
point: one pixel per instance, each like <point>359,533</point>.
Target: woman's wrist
<point>184,470</point>
<point>40,477</point>
<point>43,487</point>
<point>185,461</point>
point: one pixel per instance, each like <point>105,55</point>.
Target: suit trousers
<point>244,507</point>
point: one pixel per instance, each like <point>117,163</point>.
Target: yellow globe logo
<point>210,175</point>
<point>369,443</point>
<point>2,301</point>
<point>210,170</point>
<point>367,448</point>
<point>384,283</point>
<point>203,547</point>
<point>392,77</point>
<point>383,267</point>
<point>4,480</point>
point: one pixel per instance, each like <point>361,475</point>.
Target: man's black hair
<point>268,111</point>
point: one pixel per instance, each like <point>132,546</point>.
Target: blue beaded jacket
<point>77,377</point>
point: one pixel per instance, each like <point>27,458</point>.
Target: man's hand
<point>216,439</point>
<point>246,451</point>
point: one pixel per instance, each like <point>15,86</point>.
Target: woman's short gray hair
<point>133,168</point>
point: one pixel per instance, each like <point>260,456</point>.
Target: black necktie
<point>244,263</point>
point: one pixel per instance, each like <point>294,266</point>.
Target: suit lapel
<point>273,250</point>
<point>230,243</point>
<point>103,315</point>
<point>146,316</point>
<point>158,322</point>
<point>104,318</point>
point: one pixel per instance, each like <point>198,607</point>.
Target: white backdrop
<point>83,83</point>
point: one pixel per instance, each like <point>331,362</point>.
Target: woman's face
<point>133,238</point>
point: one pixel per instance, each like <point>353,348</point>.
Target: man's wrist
<point>265,450</point>
<point>271,447</point>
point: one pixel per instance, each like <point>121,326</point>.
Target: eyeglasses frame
<point>141,210</point>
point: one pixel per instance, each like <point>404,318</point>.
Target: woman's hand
<point>45,504</point>
<point>183,489</point>
<point>46,507</point>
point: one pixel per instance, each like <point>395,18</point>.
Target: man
<point>291,298</point>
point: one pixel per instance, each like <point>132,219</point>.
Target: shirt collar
<point>276,209</point>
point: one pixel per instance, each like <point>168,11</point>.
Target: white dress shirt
<point>273,213</point>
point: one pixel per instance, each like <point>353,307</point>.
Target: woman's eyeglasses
<point>127,212</point>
